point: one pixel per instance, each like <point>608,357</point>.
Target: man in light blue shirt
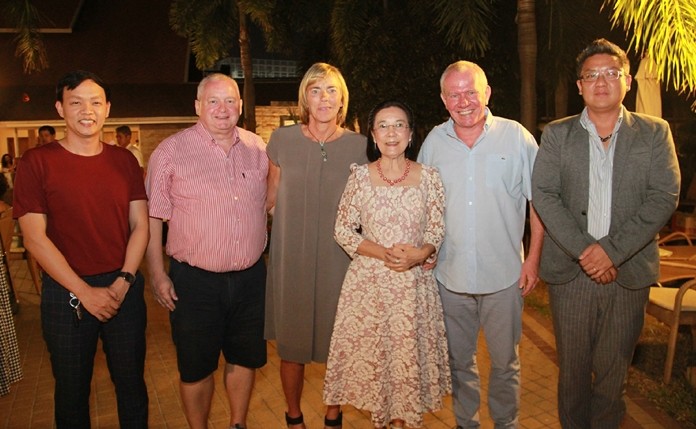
<point>486,166</point>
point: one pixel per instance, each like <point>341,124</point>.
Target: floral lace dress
<point>388,351</point>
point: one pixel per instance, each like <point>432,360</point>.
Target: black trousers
<point>72,345</point>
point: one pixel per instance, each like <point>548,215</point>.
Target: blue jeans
<point>72,346</point>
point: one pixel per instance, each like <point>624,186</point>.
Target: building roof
<point>55,16</point>
<point>128,43</point>
<point>125,41</point>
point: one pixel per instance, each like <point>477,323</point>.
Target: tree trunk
<point>561,99</point>
<point>249,96</point>
<point>527,50</point>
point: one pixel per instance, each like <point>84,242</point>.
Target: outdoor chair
<point>674,307</point>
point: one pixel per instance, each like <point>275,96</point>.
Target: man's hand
<point>120,288</point>
<point>529,276</point>
<point>595,262</point>
<point>163,289</point>
<point>608,276</point>
<point>100,302</point>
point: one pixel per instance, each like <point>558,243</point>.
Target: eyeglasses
<point>609,74</point>
<point>399,127</point>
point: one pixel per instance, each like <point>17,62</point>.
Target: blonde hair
<point>319,71</point>
<point>462,66</point>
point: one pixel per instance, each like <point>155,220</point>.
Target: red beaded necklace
<point>393,182</point>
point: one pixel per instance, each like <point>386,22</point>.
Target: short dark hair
<point>50,129</point>
<point>123,129</point>
<point>372,150</point>
<point>73,79</point>
<point>602,46</point>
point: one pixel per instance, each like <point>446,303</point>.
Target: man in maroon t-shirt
<point>82,208</point>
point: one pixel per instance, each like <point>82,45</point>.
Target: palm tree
<point>468,24</point>
<point>210,26</point>
<point>664,30</point>
<point>30,47</point>
<point>527,51</point>
<point>565,28</point>
<point>387,50</point>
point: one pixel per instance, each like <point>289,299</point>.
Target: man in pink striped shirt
<point>209,183</point>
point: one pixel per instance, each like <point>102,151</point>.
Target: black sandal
<point>332,423</point>
<point>292,421</point>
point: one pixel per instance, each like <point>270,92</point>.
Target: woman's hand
<point>402,257</point>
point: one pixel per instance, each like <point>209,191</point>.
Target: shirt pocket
<point>255,182</point>
<point>499,171</point>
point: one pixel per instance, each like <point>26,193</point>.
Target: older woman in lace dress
<point>388,352</point>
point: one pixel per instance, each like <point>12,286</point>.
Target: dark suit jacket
<point>645,192</point>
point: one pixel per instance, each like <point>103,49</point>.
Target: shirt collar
<point>587,123</point>
<point>486,125</point>
<point>203,132</point>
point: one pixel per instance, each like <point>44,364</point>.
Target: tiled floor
<point>30,405</point>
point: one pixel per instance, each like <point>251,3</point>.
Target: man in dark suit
<point>604,183</point>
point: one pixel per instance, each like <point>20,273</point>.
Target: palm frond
<point>351,23</point>
<point>210,25</point>
<point>465,23</point>
<point>665,31</point>
<point>30,47</point>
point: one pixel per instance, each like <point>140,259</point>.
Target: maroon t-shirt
<point>85,199</point>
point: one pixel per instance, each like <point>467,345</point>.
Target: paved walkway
<point>30,404</point>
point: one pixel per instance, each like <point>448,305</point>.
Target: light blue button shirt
<point>487,188</point>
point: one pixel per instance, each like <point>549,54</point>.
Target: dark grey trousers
<point>597,328</point>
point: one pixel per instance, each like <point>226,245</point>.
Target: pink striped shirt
<point>214,202</point>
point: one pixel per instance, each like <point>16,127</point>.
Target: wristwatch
<point>128,277</point>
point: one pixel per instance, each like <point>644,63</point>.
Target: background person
<point>123,138</point>
<point>209,182</point>
<point>47,134</point>
<point>8,171</point>
<point>605,182</point>
<point>310,164</point>
<point>82,209</point>
<point>486,166</point>
<point>388,351</point>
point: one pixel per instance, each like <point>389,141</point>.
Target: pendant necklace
<point>604,139</point>
<point>400,179</point>
<point>322,142</point>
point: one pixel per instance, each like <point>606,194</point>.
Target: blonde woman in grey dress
<point>309,168</point>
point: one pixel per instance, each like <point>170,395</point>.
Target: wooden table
<point>678,253</point>
<point>677,263</point>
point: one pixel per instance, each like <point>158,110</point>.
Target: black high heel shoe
<point>334,423</point>
<point>292,421</point>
